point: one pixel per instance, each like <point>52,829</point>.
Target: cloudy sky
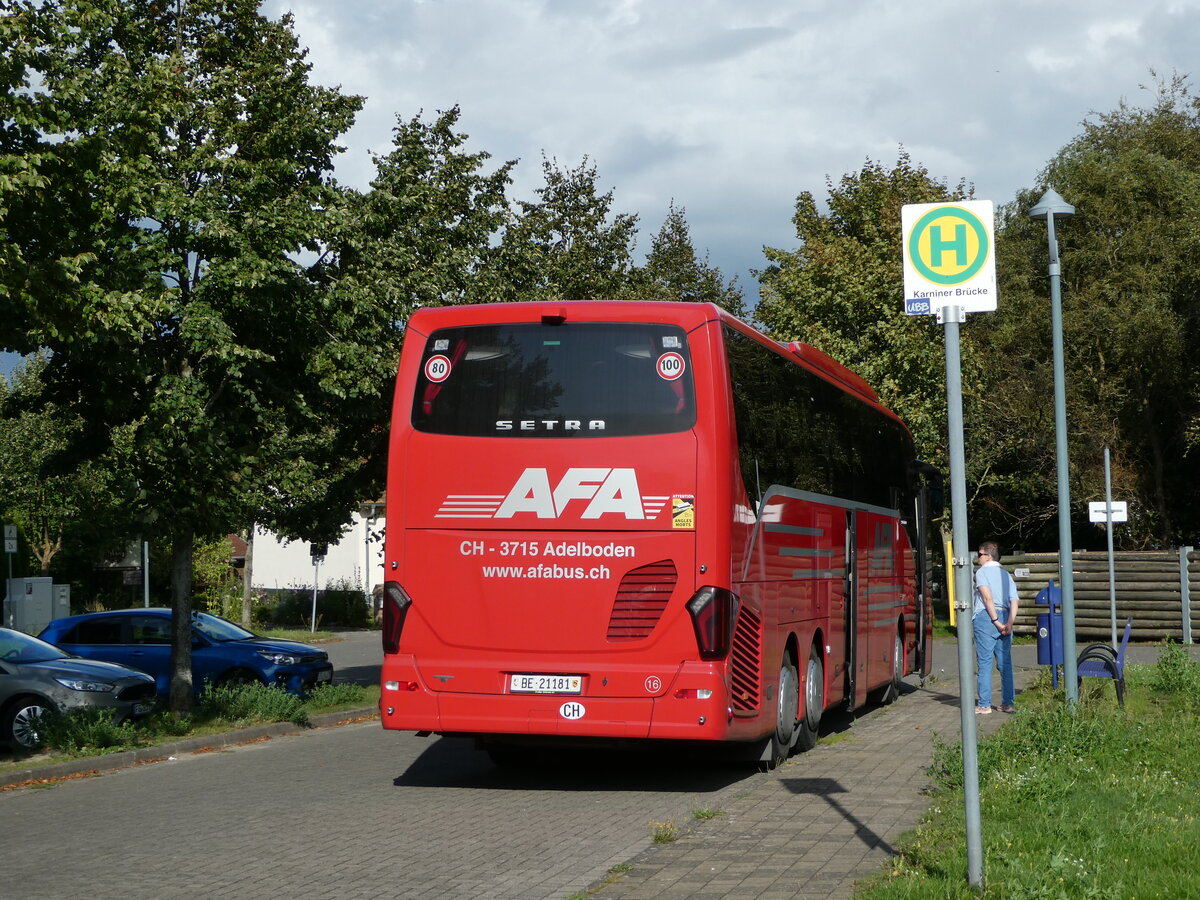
<point>733,107</point>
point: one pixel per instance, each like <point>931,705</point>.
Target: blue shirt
<point>999,582</point>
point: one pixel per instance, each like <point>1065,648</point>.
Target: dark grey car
<point>36,676</point>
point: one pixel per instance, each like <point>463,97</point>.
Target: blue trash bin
<point>1050,628</point>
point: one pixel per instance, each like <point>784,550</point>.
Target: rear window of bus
<point>569,380</point>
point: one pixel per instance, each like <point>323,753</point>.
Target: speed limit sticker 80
<point>437,368</point>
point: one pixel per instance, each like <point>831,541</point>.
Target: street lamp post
<point>1047,208</point>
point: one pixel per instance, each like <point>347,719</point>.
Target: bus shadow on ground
<point>459,763</point>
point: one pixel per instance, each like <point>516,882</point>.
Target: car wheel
<point>21,723</point>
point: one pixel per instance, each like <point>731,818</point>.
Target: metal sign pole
<point>952,317</point>
<point>947,250</point>
<point>10,547</point>
<point>316,571</point>
<point>1112,574</point>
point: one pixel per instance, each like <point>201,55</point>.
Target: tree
<point>563,246</point>
<point>422,236</point>
<point>1131,313</point>
<point>164,169</point>
<point>53,502</point>
<point>842,291</point>
<point>674,272</point>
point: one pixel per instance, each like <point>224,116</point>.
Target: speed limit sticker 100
<point>670,366</point>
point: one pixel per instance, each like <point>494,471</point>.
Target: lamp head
<point>1051,204</point>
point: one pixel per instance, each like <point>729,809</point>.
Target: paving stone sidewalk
<point>828,817</point>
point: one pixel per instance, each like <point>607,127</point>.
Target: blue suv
<point>222,653</point>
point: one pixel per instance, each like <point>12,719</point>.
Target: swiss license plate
<point>522,683</point>
<point>326,675</point>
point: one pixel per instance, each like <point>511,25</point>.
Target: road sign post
<point>950,270</point>
<point>10,547</point>
<point>1109,512</point>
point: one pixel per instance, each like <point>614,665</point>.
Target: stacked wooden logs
<point>1148,588</point>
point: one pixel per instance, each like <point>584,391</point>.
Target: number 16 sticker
<point>670,366</point>
<point>437,368</point>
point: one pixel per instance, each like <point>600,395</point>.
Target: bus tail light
<point>395,607</point>
<point>714,611</point>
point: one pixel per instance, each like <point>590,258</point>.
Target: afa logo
<point>583,492</point>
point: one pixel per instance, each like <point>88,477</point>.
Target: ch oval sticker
<point>572,710</point>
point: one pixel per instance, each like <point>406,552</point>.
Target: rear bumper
<point>674,712</point>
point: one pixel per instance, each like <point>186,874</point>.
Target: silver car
<point>36,676</point>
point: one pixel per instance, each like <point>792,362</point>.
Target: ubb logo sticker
<point>670,366</point>
<point>606,492</point>
<point>572,710</point>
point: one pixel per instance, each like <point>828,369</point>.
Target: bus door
<point>850,610</point>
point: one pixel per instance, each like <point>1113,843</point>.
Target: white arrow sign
<point>1098,511</point>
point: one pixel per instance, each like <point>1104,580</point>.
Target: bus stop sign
<point>949,257</point>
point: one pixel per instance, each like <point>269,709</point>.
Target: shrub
<point>1177,673</point>
<point>341,606</point>
<point>82,731</point>
<point>251,704</point>
<point>330,696</point>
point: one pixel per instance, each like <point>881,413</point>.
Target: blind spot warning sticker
<point>437,368</point>
<point>670,366</point>
<point>683,511</point>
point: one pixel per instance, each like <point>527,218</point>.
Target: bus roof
<point>687,315</point>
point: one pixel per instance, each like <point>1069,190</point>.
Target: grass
<point>303,635</point>
<point>664,832</point>
<point>91,732</point>
<point>1098,803</point>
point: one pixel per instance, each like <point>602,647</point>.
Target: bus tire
<point>890,691</point>
<point>787,699</point>
<point>814,702</point>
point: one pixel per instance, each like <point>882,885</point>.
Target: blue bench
<point>1102,661</point>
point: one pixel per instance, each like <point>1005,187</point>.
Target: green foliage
<point>83,732</point>
<point>1099,802</point>
<point>564,245</point>
<point>215,585</point>
<point>166,167</point>
<point>251,704</point>
<point>673,271</point>
<point>342,606</point>
<point>56,503</point>
<point>1178,675</point>
<point>334,696</point>
<point>1130,256</point>
<point>92,732</point>
<point>842,291</point>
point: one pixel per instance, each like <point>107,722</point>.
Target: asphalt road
<point>346,812</point>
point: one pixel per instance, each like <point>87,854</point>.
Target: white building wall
<point>279,564</point>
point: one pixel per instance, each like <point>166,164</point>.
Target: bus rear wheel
<point>890,691</point>
<point>814,702</point>
<point>787,724</point>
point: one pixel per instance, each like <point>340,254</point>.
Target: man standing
<point>995,612</point>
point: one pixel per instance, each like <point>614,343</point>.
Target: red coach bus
<point>642,521</point>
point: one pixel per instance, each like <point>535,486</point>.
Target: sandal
<point>983,710</point>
